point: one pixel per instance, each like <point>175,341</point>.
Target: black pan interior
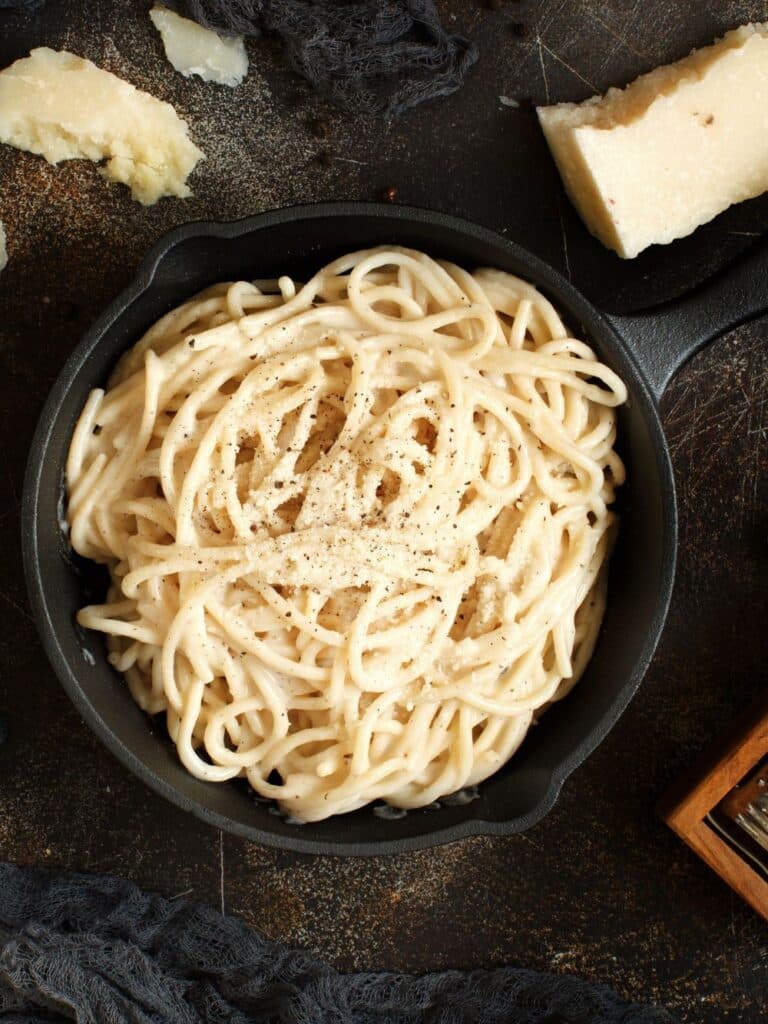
<point>298,242</point>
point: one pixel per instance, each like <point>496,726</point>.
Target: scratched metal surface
<point>600,887</point>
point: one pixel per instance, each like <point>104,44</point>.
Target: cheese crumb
<point>3,250</point>
<point>63,107</point>
<point>194,50</point>
<point>652,162</point>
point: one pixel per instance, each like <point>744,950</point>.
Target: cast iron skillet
<point>644,350</point>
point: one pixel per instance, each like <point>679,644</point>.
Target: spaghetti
<point>355,528</point>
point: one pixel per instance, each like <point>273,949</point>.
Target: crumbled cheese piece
<point>3,250</point>
<point>508,101</point>
<point>194,50</point>
<point>63,107</point>
<point>652,162</point>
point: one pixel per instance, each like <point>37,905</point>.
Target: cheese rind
<point>63,107</point>
<point>650,163</point>
<point>194,50</point>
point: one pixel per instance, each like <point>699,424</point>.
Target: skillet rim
<point>556,286</point>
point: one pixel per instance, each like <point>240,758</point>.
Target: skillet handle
<point>662,339</point>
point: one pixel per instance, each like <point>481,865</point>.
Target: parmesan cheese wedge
<point>652,162</point>
<point>63,107</point>
<point>194,50</point>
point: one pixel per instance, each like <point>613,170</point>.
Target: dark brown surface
<point>600,887</point>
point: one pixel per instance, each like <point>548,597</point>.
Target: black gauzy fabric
<point>98,950</point>
<point>377,56</point>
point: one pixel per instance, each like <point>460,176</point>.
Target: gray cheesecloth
<point>98,950</point>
